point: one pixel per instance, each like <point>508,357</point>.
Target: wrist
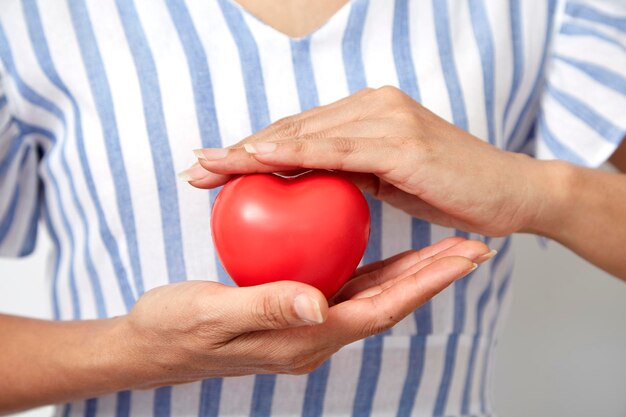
<point>553,185</point>
<point>105,359</point>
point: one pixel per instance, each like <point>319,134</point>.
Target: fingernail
<point>211,154</point>
<point>486,257</point>
<point>308,309</point>
<point>474,266</point>
<point>260,147</point>
<point>194,172</point>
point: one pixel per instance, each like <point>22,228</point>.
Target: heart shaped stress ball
<point>311,228</point>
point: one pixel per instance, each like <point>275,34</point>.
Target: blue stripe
<point>162,402</point>
<point>35,32</point>
<point>587,115</point>
<point>161,159</point>
<point>502,289</point>
<point>351,46</point>
<point>420,230</point>
<point>29,238</point>
<point>122,408</point>
<point>99,86</point>
<point>202,84</point>
<point>484,40</point>
<point>459,117</point>
<point>26,129</point>
<point>9,155</point>
<point>317,380</point>
<point>450,360</point>
<point>417,356</point>
<point>262,395</point>
<point>355,77</point>
<point>91,407</point>
<point>250,65</point>
<point>40,48</point>
<point>36,99</point>
<point>460,290</point>
<point>9,215</point>
<point>572,29</point>
<point>210,394</point>
<point>303,69</point>
<point>559,150</point>
<point>604,76</point>
<point>163,164</point>
<point>31,235</point>
<point>3,101</point>
<point>517,47</point>
<point>259,118</point>
<point>208,126</point>
<point>401,45</point>
<point>56,250</point>
<point>593,15</point>
<point>315,391</point>
<point>480,309</point>
<point>28,93</point>
<point>446,56</point>
<point>516,135</point>
<point>67,410</point>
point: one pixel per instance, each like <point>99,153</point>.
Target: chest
<point>184,70</point>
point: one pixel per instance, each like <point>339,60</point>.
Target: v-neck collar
<point>272,31</point>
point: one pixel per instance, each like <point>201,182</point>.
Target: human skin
<point>45,362</point>
<point>194,330</point>
<point>401,153</point>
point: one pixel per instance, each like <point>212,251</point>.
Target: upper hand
<point>399,152</point>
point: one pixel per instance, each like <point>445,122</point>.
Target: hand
<point>198,329</point>
<point>397,151</point>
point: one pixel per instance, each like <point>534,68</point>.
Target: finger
<point>384,277</point>
<point>415,256</point>
<point>313,120</point>
<point>276,305</point>
<point>309,121</point>
<point>360,318</point>
<point>238,159</point>
<point>366,155</point>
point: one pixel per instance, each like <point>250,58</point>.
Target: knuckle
<point>390,94</point>
<point>382,321</point>
<point>344,146</point>
<point>381,326</point>
<point>287,362</point>
<point>289,127</point>
<point>270,311</point>
<point>309,367</point>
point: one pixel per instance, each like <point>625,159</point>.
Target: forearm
<point>584,209</point>
<point>47,362</point>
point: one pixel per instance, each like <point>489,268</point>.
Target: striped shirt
<point>102,101</point>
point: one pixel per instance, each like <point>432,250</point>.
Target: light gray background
<point>563,352</point>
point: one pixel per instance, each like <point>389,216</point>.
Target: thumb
<point>278,305</point>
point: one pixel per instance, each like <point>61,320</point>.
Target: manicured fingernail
<point>194,172</point>
<point>260,147</point>
<point>211,153</point>
<point>308,309</point>
<point>486,257</point>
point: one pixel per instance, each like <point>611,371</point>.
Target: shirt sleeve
<point>582,118</point>
<point>19,184</point>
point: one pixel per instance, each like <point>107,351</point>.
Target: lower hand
<point>198,329</point>
<point>399,152</point>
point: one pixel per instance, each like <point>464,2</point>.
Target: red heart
<point>312,228</point>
